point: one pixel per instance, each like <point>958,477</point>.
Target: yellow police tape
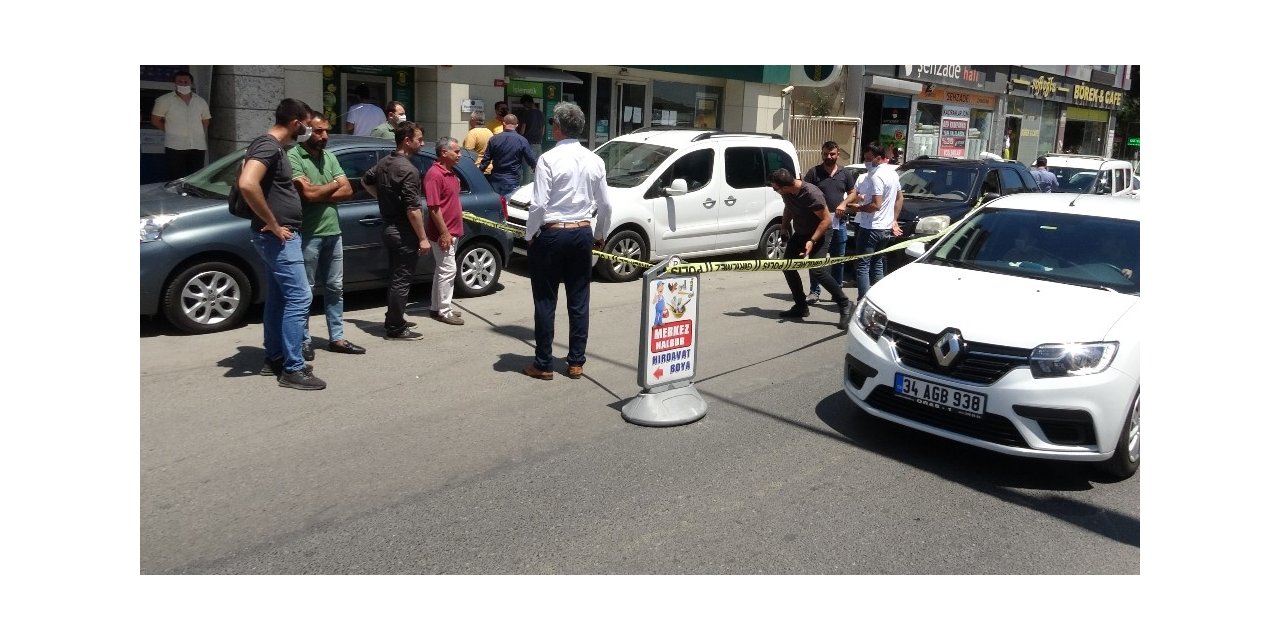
<point>790,264</point>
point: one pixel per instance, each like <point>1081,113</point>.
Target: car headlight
<point>872,320</point>
<point>1075,359</point>
<point>150,227</point>
<point>930,225</point>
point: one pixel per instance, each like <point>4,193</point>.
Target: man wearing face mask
<point>878,203</point>
<point>495,125</point>
<point>184,118</point>
<point>321,183</point>
<point>395,115</point>
<point>266,183</point>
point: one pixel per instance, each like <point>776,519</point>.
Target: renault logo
<point>947,347</point>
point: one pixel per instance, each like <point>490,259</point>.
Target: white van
<point>1091,174</point>
<point>687,192</point>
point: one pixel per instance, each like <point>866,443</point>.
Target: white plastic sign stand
<point>668,350</point>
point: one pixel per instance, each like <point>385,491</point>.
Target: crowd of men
<point>292,190</point>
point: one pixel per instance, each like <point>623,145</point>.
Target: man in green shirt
<point>321,182</point>
<point>395,115</point>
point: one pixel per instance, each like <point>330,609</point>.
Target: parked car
<point>691,192</point>
<point>199,270</point>
<point>939,191</point>
<point>1018,332</point>
<point>1092,174</point>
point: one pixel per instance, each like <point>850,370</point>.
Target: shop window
<point>686,105</point>
<point>924,138</point>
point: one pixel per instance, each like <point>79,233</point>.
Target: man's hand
<point>424,246</point>
<point>808,246</point>
<point>597,243</point>
<point>897,231</point>
<point>446,241</point>
<point>283,233</point>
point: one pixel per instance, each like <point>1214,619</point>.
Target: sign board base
<point>673,407</point>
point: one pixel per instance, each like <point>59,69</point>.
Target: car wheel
<point>207,297</point>
<point>1128,455</point>
<point>479,268</point>
<point>771,245</point>
<point>627,244</point>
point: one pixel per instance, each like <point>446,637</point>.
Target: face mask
<point>183,89</point>
<point>305,135</point>
<point>401,118</point>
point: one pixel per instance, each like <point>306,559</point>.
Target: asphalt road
<point>439,457</point>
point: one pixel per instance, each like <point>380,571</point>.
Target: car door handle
<point>371,221</point>
<point>730,200</point>
<point>708,203</point>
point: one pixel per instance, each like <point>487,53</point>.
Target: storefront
<point>383,84</point>
<point>886,111</point>
<point>954,112</point>
<point>1061,114</point>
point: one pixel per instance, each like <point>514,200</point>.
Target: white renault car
<point>1019,332</point>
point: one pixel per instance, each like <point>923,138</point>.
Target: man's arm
<point>526,153</point>
<point>250,184</point>
<point>157,121</point>
<point>415,221</point>
<point>897,211</point>
<point>824,217</point>
<point>538,201</point>
<point>437,218</point>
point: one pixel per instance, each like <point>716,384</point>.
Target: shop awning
<point>542,75</point>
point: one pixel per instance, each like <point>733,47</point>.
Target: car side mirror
<point>989,196</point>
<point>678,187</point>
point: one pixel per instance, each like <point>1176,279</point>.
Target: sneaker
<point>797,311</point>
<point>403,335</point>
<point>276,367</point>
<point>453,318</point>
<point>846,314</point>
<point>410,325</point>
<point>436,314</point>
<point>301,379</point>
<point>308,352</point>
<point>812,299</point>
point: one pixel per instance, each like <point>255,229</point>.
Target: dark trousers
<point>182,163</point>
<point>402,256</point>
<point>795,247</point>
<point>556,256</point>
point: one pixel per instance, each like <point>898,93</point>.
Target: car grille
<point>980,362</point>
<point>990,427</point>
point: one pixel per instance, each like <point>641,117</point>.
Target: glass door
<point>631,110</point>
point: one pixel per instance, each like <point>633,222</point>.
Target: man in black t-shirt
<point>397,185</point>
<point>805,220</point>
<point>266,183</point>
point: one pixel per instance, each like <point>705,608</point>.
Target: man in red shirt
<point>444,226</point>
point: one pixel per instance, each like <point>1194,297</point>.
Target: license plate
<point>940,396</point>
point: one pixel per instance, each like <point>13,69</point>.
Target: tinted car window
<point>1012,183</point>
<point>991,183</point>
<point>694,168</point>
<point>940,183</point>
<point>775,159</point>
<point>423,162</point>
<point>744,168</point>
<point>354,165</point>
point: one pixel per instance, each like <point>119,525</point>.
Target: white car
<point>1092,174</point>
<point>687,192</point>
<point>1018,332</point>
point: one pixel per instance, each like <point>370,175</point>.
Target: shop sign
<point>1033,84</point>
<point>1134,142</point>
<point>959,97</point>
<point>958,75</point>
<point>954,132</point>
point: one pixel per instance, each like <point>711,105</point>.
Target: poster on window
<point>955,131</point>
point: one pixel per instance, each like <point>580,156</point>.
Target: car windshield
<point>627,164</point>
<point>1073,180</point>
<point>215,179</point>
<point>938,183</point>
<point>1071,249</point>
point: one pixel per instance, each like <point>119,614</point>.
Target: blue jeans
<point>555,256</point>
<point>838,237</point>
<point>284,317</point>
<point>870,270</point>
<point>323,257</point>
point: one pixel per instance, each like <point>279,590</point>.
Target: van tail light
<point>502,200</point>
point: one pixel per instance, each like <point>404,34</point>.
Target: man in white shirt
<point>880,203</point>
<point>184,118</point>
<point>568,183</point>
<point>362,118</point>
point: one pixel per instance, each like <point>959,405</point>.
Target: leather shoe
<point>575,371</point>
<point>846,314</point>
<point>308,352</point>
<point>797,311</point>
<point>345,346</point>
<point>534,372</point>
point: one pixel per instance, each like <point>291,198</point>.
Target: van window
<point>744,168</point>
<point>694,167</point>
<point>1104,183</point>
